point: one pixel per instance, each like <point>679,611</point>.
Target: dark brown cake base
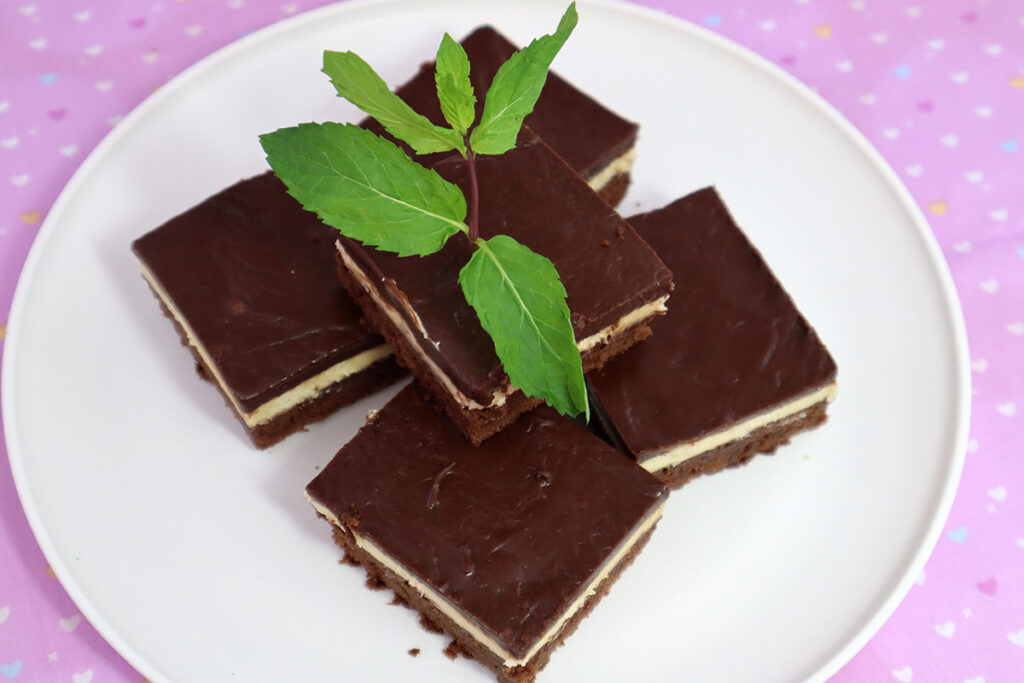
<point>615,189</point>
<point>739,452</point>
<point>477,425</point>
<point>354,387</point>
<point>464,641</point>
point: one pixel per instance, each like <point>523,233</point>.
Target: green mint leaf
<point>454,89</point>
<point>357,82</point>
<point>366,187</point>
<point>520,302</point>
<point>515,89</point>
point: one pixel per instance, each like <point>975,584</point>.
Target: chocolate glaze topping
<point>255,277</point>
<point>510,531</point>
<point>532,195</point>
<point>732,345</point>
<point>583,132</point>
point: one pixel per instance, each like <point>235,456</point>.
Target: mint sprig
<point>368,189</point>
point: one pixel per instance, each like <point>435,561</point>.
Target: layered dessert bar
<point>250,280</point>
<point>596,142</point>
<point>505,547</point>
<point>732,370</point>
<point>614,281</point>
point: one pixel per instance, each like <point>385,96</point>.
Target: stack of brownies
<point>502,522</point>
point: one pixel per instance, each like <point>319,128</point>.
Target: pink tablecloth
<point>937,86</point>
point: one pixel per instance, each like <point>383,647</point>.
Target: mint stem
<point>474,197</point>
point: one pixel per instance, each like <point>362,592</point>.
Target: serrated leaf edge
<point>407,116</point>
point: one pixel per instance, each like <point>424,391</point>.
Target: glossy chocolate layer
<point>732,345</point>
<point>510,531</point>
<point>255,277</point>
<point>586,134</point>
<point>532,195</point>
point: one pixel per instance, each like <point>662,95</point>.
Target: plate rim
<point>952,308</point>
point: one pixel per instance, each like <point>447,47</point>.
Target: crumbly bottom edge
<point>378,574</point>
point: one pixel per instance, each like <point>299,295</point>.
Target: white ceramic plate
<point>196,556</point>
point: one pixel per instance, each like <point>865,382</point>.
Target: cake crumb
<point>605,243</point>
<point>371,416</point>
<point>397,599</point>
<point>453,651</point>
<point>414,652</point>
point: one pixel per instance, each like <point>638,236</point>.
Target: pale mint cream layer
<point>779,414</point>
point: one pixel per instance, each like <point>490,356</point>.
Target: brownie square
<point>614,281</point>
<point>506,546</point>
<point>249,279</point>
<point>732,370</point>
